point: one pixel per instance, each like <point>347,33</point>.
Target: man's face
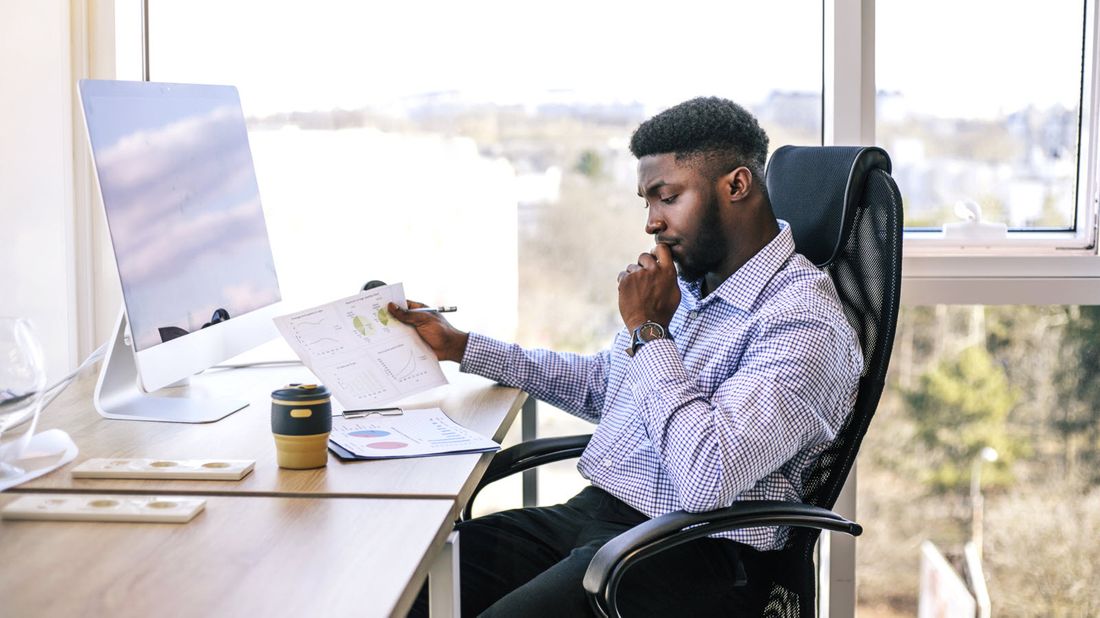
<point>684,213</point>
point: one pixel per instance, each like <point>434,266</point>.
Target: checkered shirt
<point>752,387</point>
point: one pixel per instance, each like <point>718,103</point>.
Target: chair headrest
<point>817,190</point>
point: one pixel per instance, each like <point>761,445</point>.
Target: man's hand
<point>446,341</point>
<point>648,289</point>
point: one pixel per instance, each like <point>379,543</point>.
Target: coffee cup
<point>301,420</point>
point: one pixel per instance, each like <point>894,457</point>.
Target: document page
<point>359,351</point>
<point>415,433</point>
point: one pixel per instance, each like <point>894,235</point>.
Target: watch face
<point>650,331</point>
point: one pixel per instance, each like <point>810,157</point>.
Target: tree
<point>960,406</point>
<point>1077,421</point>
<point>590,164</point>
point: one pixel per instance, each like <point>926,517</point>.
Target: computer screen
<point>182,204</point>
<point>185,220</point>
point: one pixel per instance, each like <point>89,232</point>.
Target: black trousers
<point>530,563</point>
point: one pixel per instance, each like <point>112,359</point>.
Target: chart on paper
<point>359,351</point>
<point>317,334</point>
<point>415,433</point>
<point>351,377</point>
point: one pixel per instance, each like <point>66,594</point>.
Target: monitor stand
<point>118,396</point>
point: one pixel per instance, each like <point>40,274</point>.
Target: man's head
<point>701,173</point>
<point>715,135</point>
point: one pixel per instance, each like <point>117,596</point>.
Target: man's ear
<point>737,185</point>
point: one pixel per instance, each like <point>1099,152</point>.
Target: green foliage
<point>590,164</point>
<point>960,406</point>
<point>1077,419</point>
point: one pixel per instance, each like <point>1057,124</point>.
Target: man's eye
<point>670,199</point>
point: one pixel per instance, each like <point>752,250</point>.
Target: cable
<point>259,364</point>
<point>59,387</point>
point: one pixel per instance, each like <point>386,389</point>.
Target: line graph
<point>401,363</point>
<point>319,336</point>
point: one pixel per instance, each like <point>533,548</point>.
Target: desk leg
<point>443,582</point>
<point>529,423</point>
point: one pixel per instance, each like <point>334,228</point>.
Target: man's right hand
<point>446,341</point>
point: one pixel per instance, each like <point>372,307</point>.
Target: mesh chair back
<point>845,214</point>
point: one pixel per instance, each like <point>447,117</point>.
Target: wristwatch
<point>648,331</point>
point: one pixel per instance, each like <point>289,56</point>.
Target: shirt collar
<point>743,287</point>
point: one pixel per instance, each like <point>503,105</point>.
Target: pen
<point>370,411</point>
<point>450,309</point>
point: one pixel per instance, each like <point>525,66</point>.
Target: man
<point>726,384</point>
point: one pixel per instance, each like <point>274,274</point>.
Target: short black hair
<point>719,132</point>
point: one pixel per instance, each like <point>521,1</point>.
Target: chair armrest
<point>611,562</point>
<point>527,455</point>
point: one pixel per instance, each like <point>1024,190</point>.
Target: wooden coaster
<point>186,469</point>
<point>67,507</point>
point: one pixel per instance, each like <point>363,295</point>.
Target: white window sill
<point>1041,279</point>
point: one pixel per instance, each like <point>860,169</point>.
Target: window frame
<point>1083,239</point>
<point>1027,268</point>
<point>1045,271</point>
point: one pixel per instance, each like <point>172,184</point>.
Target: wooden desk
<point>471,401</point>
<point>246,556</point>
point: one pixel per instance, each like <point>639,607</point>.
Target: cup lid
<point>300,392</point>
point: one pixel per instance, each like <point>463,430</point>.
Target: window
<point>981,113</point>
<point>963,379</point>
<point>478,151</point>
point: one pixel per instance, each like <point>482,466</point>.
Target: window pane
<point>1019,380</point>
<point>478,151</point>
<point>980,102</point>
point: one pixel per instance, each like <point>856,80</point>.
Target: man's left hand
<point>648,290</point>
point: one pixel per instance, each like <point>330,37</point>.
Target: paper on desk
<point>416,433</point>
<point>359,351</point>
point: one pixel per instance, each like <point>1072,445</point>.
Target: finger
<point>415,305</point>
<point>646,260</point>
<point>403,316</point>
<point>663,254</point>
<point>633,268</point>
<point>622,275</point>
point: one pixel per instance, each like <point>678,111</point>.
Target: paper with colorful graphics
<point>413,433</point>
<point>359,351</point>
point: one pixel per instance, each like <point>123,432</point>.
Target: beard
<point>707,249</point>
<point>689,273</point>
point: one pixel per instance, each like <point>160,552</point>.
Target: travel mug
<point>301,419</point>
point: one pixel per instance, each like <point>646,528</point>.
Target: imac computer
<point>189,238</point>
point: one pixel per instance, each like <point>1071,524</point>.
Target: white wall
<point>36,186</point>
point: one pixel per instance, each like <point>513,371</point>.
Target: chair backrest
<point>845,214</point>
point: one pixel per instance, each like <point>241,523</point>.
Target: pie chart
<point>369,433</point>
<point>387,445</point>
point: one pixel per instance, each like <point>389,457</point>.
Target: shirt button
<point>606,463</point>
<point>693,314</point>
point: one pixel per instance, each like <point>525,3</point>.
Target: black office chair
<point>846,216</point>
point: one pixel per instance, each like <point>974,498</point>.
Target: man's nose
<point>653,223</point>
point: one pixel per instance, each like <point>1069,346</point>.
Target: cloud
<point>185,218</point>
<point>180,191</point>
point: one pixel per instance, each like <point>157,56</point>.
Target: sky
<point>355,53</point>
<point>971,58</point>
